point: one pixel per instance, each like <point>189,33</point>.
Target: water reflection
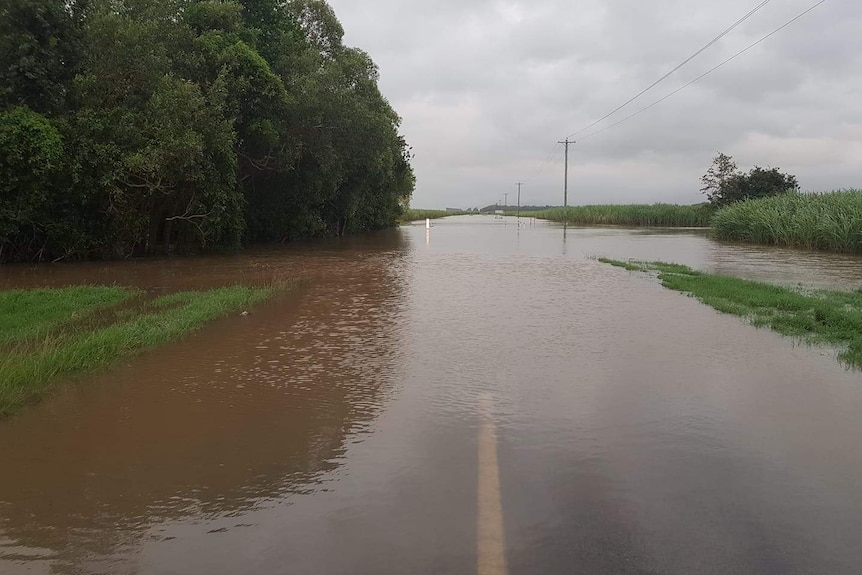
<point>334,430</point>
<point>694,247</point>
<point>227,420</point>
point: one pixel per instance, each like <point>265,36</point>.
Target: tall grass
<point>830,221</point>
<point>655,215</point>
<point>822,316</point>
<point>412,215</point>
<point>28,372</point>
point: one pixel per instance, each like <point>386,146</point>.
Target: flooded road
<point>484,398</point>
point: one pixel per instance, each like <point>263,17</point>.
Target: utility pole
<point>505,201</point>
<point>566,172</point>
<point>519,198</point>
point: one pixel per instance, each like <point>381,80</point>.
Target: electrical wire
<point>677,67</point>
<point>548,158</point>
<point>707,73</point>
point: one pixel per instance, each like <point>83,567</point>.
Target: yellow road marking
<point>491,540</point>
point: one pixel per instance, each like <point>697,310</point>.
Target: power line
<point>558,153</point>
<point>708,72</point>
<point>548,158</point>
<point>553,155</point>
<point>677,67</point>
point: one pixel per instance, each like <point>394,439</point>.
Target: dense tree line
<point>142,126</point>
<point>724,184</point>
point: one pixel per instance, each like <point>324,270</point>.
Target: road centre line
<point>491,544</point>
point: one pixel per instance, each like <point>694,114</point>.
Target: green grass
<point>29,313</point>
<point>647,215</point>
<point>28,371</point>
<point>412,215</point>
<point>817,317</point>
<point>829,222</point>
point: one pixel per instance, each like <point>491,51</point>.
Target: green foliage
<point>761,183</point>
<point>817,317</point>
<point>319,24</point>
<point>28,371</point>
<point>831,221</point>
<point>208,15</point>
<point>39,52</point>
<point>655,215</point>
<point>724,184</point>
<point>631,266</point>
<point>31,152</point>
<point>177,125</point>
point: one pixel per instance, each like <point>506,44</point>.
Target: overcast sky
<point>485,88</point>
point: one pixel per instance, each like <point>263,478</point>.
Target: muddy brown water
<point>337,429</point>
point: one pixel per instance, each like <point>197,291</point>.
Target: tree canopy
<point>142,126</point>
<point>724,184</point>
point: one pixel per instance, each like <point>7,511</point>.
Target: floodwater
<point>481,398</point>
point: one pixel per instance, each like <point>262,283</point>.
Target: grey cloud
<point>486,87</point>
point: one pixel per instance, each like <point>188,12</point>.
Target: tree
<point>164,143</point>
<point>762,182</point>
<point>716,179</point>
<point>39,52</point>
<point>31,151</point>
<point>724,184</point>
<point>136,126</point>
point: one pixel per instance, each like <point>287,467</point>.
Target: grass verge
<point>646,215</point>
<point>30,370</point>
<point>31,313</point>
<point>816,317</point>
<point>829,222</point>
